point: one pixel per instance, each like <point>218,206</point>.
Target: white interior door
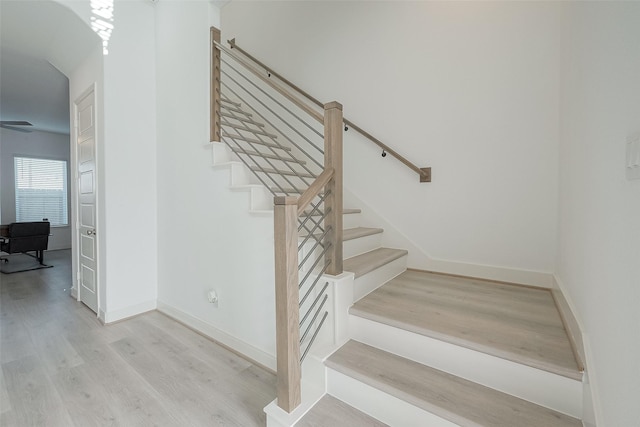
<point>86,187</point>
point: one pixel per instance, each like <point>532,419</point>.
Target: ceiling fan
<point>13,125</point>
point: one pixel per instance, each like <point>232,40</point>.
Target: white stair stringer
<point>546,389</point>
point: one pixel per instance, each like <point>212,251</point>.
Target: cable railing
<point>424,173</point>
<point>295,151</point>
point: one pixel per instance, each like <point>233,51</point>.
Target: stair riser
<point>380,405</point>
<point>543,388</point>
<point>352,220</point>
<point>371,281</point>
<point>361,245</point>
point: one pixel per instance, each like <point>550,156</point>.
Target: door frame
<point>75,235</point>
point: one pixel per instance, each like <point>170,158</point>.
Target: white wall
<point>130,188</point>
<point>35,144</point>
<point>599,239</point>
<point>127,227</point>
<point>468,88</point>
<point>206,238</point>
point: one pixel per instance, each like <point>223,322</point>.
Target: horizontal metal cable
<point>300,134</point>
<point>308,236</point>
<point>224,121</point>
<point>315,316</point>
<point>227,87</point>
<point>316,208</point>
<point>251,82</point>
<point>313,285</point>
<point>313,337</point>
<point>254,161</point>
<point>313,304</point>
<point>326,248</point>
<point>318,243</point>
<point>267,160</point>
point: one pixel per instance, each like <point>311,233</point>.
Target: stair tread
<point>458,400</point>
<point>369,261</point>
<point>517,323</point>
<point>331,411</point>
<point>357,232</point>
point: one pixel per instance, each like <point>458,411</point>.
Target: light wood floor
<point>61,367</point>
<point>512,322</point>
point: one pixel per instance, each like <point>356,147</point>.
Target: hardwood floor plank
<point>85,400</point>
<point>34,400</point>
<point>55,351</point>
<point>62,367</point>
<point>330,411</point>
<point>5,404</point>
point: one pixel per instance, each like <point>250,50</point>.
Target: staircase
<point>409,348</point>
<point>411,359</point>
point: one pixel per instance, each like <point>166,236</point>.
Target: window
<point>41,190</point>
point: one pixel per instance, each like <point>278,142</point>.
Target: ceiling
<point>34,35</point>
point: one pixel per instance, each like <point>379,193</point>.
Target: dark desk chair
<point>23,237</point>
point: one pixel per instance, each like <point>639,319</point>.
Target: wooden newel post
<point>214,99</point>
<point>333,124</point>
<point>287,302</point>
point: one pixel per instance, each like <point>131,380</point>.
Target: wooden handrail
<point>314,189</point>
<point>424,173</point>
<point>282,91</point>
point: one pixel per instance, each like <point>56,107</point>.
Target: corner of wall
<point>580,343</point>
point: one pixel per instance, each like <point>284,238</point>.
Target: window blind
<point>41,190</point>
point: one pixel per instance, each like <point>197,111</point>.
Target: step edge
<point>364,232</point>
<point>375,265</point>
<point>556,370</point>
<point>423,404</point>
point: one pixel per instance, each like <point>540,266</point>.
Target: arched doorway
<point>52,56</point>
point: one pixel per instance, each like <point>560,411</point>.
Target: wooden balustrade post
<point>333,125</point>
<point>214,99</point>
<point>287,302</point>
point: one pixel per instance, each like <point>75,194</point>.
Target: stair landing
<point>517,323</point>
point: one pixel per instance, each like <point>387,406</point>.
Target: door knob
<point>91,232</point>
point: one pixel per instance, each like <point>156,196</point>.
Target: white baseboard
<point>124,313</point>
<point>247,350</point>
<point>502,274</point>
<point>592,410</point>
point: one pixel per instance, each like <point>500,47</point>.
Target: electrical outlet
<point>212,296</point>
<point>633,156</point>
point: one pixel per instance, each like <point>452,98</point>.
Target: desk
<point>4,230</point>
